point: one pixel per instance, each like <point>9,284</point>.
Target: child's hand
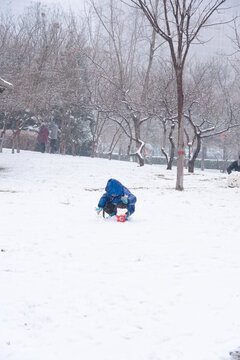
<point>124,199</point>
<point>98,210</point>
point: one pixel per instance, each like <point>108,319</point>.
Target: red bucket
<point>121,218</point>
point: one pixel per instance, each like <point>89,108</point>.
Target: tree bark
<point>140,160</point>
<point>172,148</point>
<point>73,149</point>
<point>164,141</point>
<point>2,140</point>
<point>194,156</point>
<point>138,142</point>
<point>18,142</point>
<point>13,142</point>
<point>203,157</point>
<point>180,157</point>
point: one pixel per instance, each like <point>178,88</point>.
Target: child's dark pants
<point>110,208</point>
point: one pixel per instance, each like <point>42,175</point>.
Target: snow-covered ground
<point>163,286</point>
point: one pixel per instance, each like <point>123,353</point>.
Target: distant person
<point>53,137</point>
<point>43,137</point>
<point>235,166</point>
<point>116,196</point>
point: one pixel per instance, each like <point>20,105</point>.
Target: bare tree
<point>201,131</point>
<point>168,134</point>
<point>179,24</point>
<point>43,52</point>
<point>212,108</point>
<point>128,78</point>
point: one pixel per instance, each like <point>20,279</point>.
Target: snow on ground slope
<point>164,285</point>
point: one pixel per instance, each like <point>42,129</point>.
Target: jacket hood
<point>114,187</point>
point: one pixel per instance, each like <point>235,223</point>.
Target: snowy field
<point>163,286</point>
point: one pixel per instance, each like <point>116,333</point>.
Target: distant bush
<point>27,140</point>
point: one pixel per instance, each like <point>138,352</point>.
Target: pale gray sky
<point>219,41</point>
<point>17,6</point>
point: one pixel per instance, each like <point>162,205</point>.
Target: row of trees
<point>120,77</point>
<point>43,54</point>
<point>175,24</point>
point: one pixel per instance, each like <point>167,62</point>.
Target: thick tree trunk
<point>180,158</point>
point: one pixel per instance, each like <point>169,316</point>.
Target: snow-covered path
<point>164,285</point>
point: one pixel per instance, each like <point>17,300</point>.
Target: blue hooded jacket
<point>114,187</point>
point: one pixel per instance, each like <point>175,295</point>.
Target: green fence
<point>220,165</point>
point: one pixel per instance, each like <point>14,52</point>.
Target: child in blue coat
<point>116,196</point>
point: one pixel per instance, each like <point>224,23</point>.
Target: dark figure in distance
<point>43,137</point>
<point>53,137</point>
<point>234,166</point>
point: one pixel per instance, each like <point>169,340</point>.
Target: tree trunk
<point>140,160</point>
<point>224,148</point>
<point>180,158</point>
<point>195,155</point>
<point>138,142</point>
<point>73,149</point>
<point>2,140</point>
<point>203,157</point>
<point>95,136</point>
<point>165,154</point>
<point>13,142</point>
<point>164,142</point>
<point>18,142</point>
<point>120,152</point>
<point>93,149</point>
<point>171,157</point>
<point>63,147</point>
<point>191,166</point>
<point>63,135</point>
<point>172,148</point>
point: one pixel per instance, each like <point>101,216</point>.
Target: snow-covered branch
<point>5,84</point>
